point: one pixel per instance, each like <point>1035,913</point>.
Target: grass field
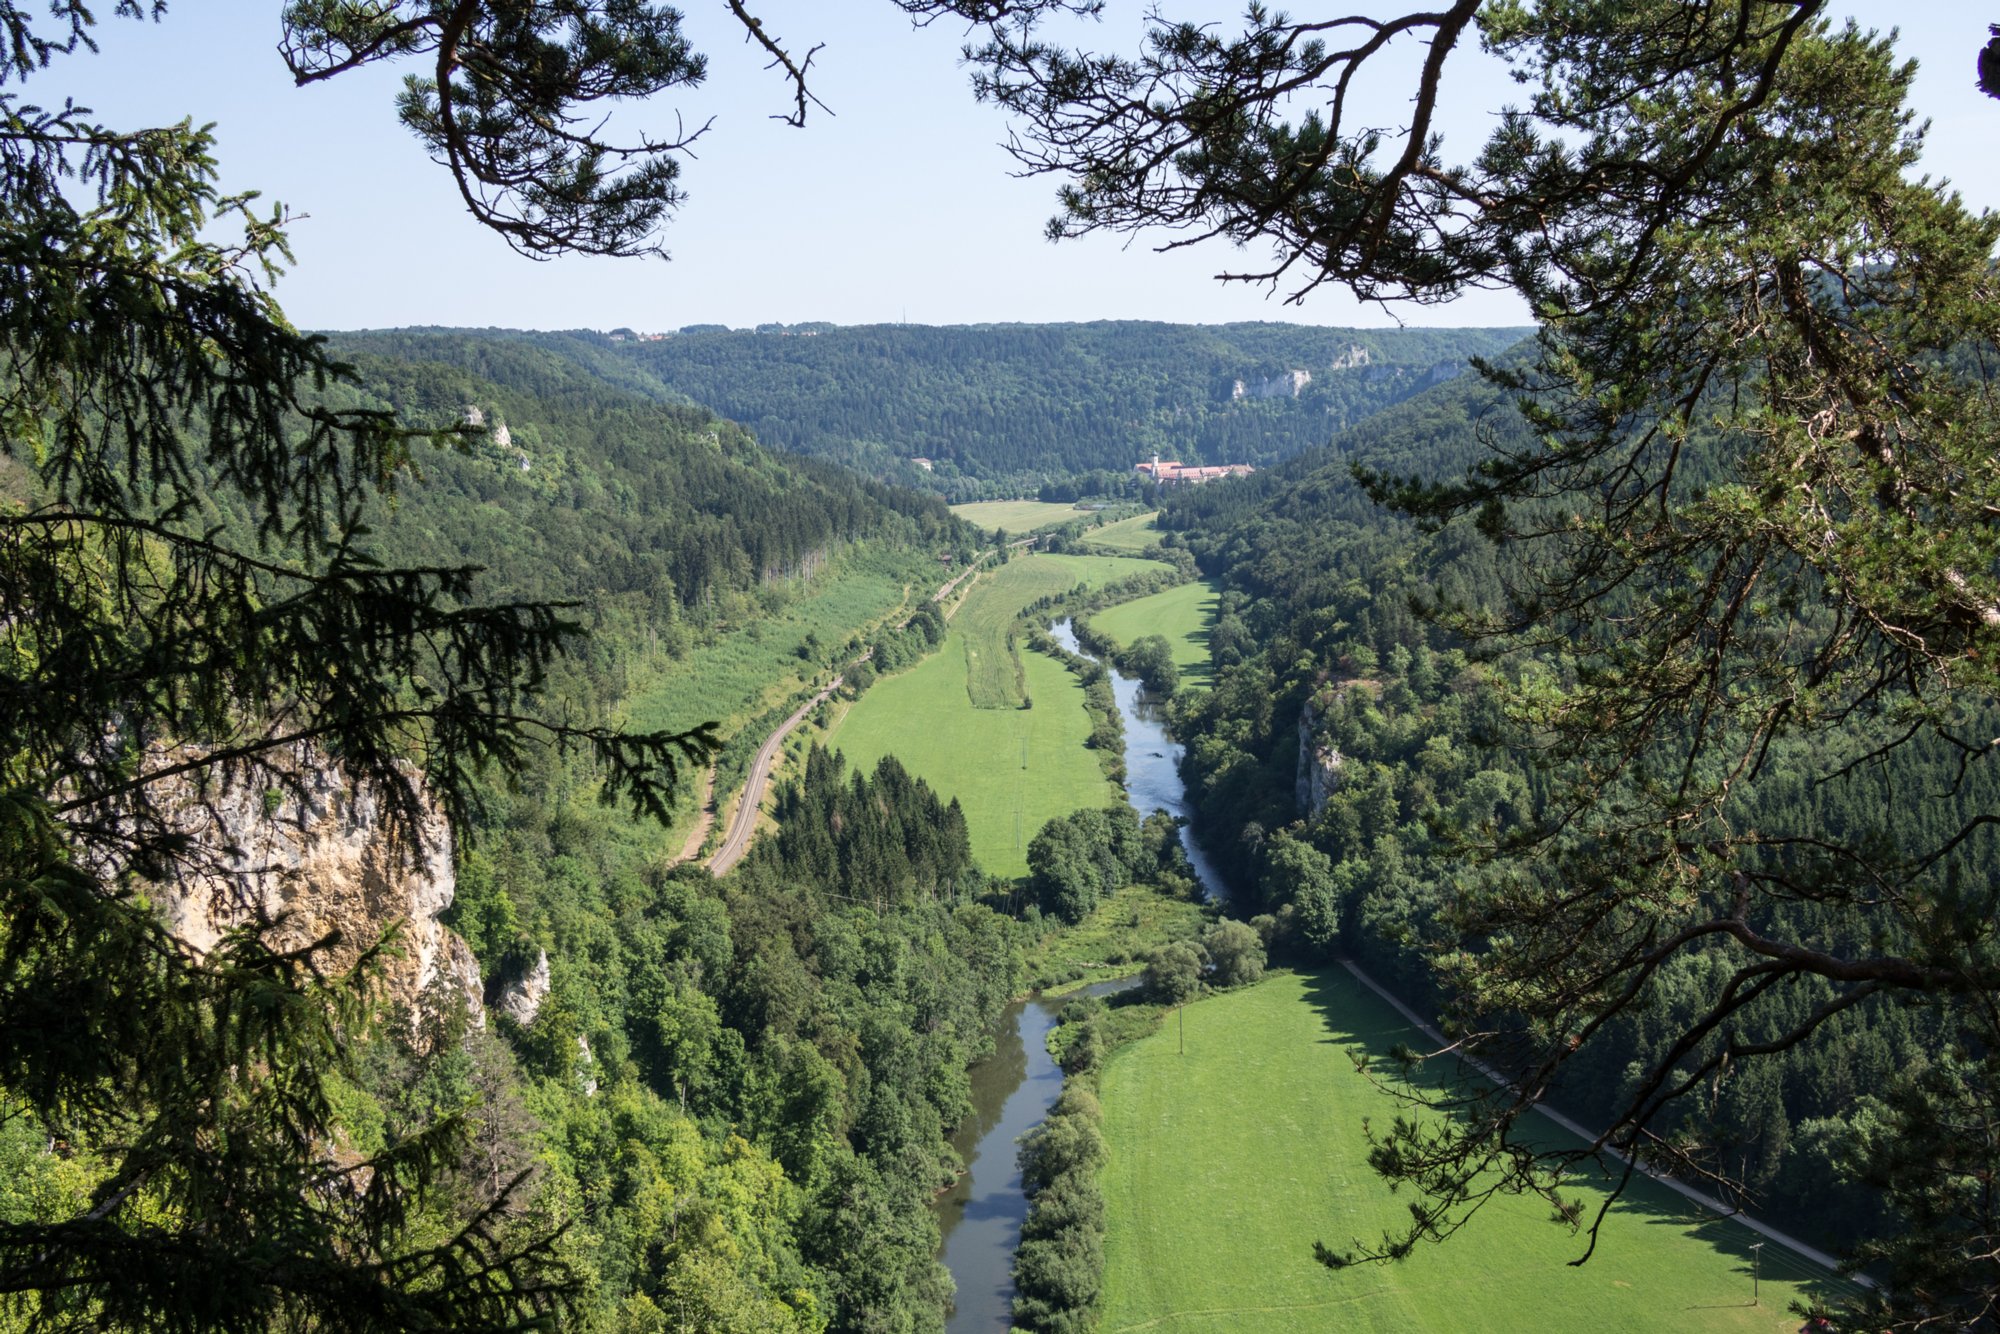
<point>992,667</point>
<point>1133,534</point>
<point>745,672</point>
<point>1012,769</point>
<point>1017,516</point>
<point>1226,1164</point>
<point>1095,571</point>
<point>1182,613</point>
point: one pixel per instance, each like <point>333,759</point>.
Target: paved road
<point>743,825</point>
<point>1701,1198</point>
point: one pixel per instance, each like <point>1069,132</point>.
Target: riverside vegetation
<point>1620,706</point>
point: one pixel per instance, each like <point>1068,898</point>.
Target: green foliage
<point>1151,659</point>
<point>1235,954</point>
<point>1173,973</point>
<point>1059,1265</point>
<point>194,608</point>
<point>1647,782</point>
<point>1115,938</point>
<point>1075,860</point>
<point>1003,409</point>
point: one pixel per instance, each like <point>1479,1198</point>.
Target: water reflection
<point>981,1215</point>
<point>1152,761</point>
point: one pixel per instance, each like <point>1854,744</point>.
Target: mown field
<point>1093,571</point>
<point>1012,769</point>
<point>1017,516</point>
<point>1227,1163</point>
<point>1183,614</point>
<point>993,668</point>
<point>1133,534</point>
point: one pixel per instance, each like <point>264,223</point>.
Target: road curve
<point>743,824</point>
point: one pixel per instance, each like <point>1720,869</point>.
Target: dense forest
<point>775,1059</point>
<point>1356,766</point>
<point>1628,707</point>
<point>1006,410</point>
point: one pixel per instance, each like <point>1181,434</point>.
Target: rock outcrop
<point>1319,767</point>
<point>313,857</point>
<point>520,997</point>
<point>1290,384</point>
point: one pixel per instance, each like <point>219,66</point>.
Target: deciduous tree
<point>1754,514</point>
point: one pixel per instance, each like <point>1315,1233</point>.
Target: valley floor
<point>1012,768</point>
<point>1228,1162</point>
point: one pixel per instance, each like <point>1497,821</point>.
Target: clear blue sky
<point>899,205</point>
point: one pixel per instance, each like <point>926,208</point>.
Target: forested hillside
<point>1358,760</point>
<point>1006,410</point>
<point>586,485</point>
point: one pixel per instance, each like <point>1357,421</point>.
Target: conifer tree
<point>1753,515</point>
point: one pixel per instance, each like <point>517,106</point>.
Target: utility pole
<point>1181,1010</point>
<point>1756,1272</point>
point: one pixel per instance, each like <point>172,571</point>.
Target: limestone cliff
<point>1319,764</point>
<point>316,856</point>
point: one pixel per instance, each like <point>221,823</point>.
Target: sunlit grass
<point>1183,614</point>
<point>1228,1162</point>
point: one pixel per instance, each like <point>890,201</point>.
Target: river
<point>1152,762</point>
<point>1013,1089</point>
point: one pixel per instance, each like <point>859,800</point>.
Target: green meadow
<point>1130,535</point>
<point>1017,516</point>
<point>1096,571</point>
<point>1227,1163</point>
<point>743,673</point>
<point>1012,769</point>
<point>1183,614</point>
<point>993,667</point>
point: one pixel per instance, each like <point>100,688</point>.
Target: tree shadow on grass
<point>1357,1019</point>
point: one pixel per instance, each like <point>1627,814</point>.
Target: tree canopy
<point>1750,517</point>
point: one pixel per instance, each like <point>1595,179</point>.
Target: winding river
<point>1012,1090</point>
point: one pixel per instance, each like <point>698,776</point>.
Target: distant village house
<point>1178,474</point>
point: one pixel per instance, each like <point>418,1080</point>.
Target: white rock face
<point>1288,385</point>
<point>317,860</point>
<point>520,998</point>
<point>1319,766</point>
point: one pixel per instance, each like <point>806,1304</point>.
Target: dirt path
<point>699,835</point>
<point>1705,1200</point>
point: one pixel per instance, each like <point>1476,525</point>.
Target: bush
<point>1060,1144</point>
<point>1173,973</point>
<point>1235,953</point>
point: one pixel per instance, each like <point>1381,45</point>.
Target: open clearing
<point>993,666</point>
<point>1017,516</point>
<point>1012,769</point>
<point>1129,535</point>
<point>1183,614</point>
<point>1096,571</point>
<point>1226,1164</point>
